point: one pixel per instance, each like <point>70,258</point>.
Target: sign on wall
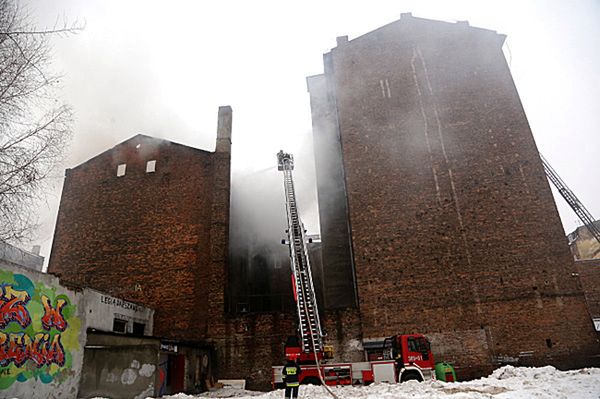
<point>168,347</point>
<point>596,323</point>
<point>39,330</point>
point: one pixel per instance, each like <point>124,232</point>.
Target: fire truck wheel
<point>311,381</point>
<point>411,375</point>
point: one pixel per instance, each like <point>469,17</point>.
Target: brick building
<point>148,221</point>
<point>11,255</point>
<point>453,231</point>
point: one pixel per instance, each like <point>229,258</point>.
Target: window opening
<point>138,328</point>
<point>151,166</point>
<point>120,326</point>
<point>412,345</point>
<point>121,169</point>
<point>385,88</point>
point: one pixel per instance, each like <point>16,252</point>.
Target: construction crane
<point>572,200</point>
<point>309,322</point>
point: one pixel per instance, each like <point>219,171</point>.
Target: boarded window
<point>121,169</point>
<point>151,166</point>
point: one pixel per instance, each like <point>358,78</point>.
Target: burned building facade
<point>450,229</point>
<point>148,221</point>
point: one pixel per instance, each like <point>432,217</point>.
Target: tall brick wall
<point>159,239</point>
<point>453,224</point>
<point>338,275</point>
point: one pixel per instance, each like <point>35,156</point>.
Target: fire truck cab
<point>410,352</point>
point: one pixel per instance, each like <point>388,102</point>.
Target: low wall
<point>45,351</point>
<point>122,365</point>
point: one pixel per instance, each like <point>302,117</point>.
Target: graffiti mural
<point>39,330</point>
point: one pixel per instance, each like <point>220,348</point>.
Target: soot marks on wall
<point>260,281</point>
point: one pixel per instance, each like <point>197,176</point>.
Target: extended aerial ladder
<point>309,322</point>
<point>410,356</point>
<point>581,211</point>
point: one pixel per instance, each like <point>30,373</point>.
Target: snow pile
<point>228,393</point>
<point>504,383</point>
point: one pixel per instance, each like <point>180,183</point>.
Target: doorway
<point>171,374</point>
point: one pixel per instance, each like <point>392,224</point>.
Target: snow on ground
<point>504,383</point>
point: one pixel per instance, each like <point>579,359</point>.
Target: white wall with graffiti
<point>43,332</point>
<point>41,335</point>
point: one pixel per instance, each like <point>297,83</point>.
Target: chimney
<point>224,129</point>
<point>341,40</point>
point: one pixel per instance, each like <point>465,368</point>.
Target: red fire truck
<point>394,359</point>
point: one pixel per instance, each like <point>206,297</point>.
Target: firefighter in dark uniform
<point>291,377</point>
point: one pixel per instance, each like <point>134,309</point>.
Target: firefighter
<point>398,358</point>
<point>291,377</point>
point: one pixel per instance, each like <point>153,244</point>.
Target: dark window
<point>424,348</point>
<point>412,345</point>
<point>242,307</point>
<point>120,326</point>
<point>138,328</point>
<point>548,342</point>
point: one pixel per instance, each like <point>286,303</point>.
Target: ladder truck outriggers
<point>395,359</point>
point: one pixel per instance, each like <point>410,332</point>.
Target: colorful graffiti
<point>39,330</point>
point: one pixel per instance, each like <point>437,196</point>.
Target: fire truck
<point>395,359</point>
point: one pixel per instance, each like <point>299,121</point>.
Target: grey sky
<point>163,68</point>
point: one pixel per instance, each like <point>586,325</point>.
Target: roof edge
<point>140,135</point>
<point>404,17</point>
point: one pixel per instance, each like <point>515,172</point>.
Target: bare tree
<point>35,127</point>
